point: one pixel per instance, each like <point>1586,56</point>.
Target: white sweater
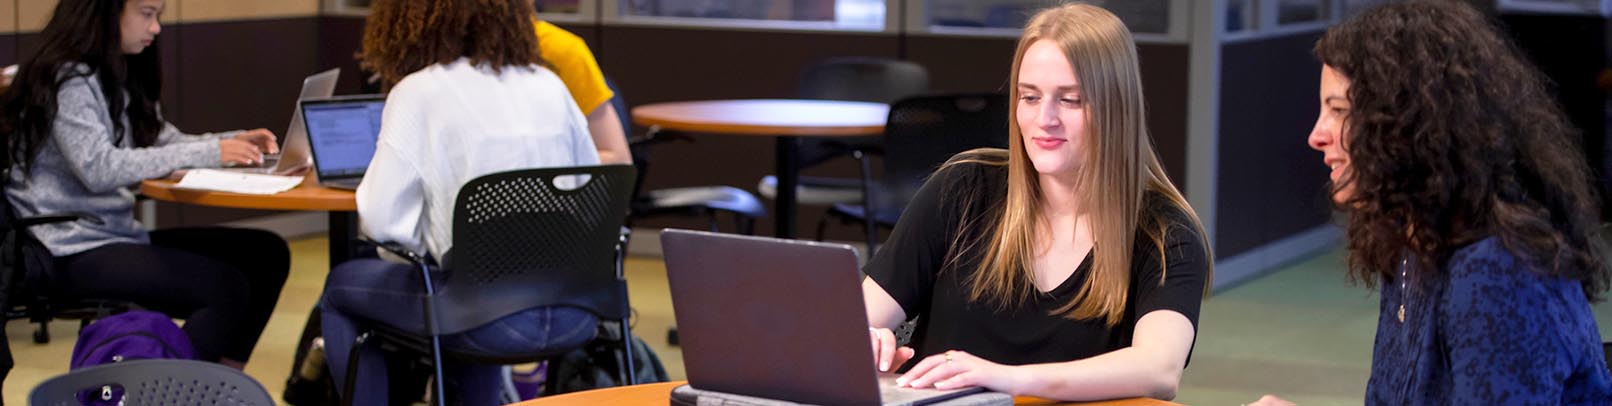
<point>447,124</point>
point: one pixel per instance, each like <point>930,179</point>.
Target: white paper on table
<point>236,182</point>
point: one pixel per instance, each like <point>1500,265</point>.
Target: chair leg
<point>351,381</point>
<point>436,359</point>
<point>42,333</point>
<point>822,226</point>
<point>873,234</point>
<point>630,373</point>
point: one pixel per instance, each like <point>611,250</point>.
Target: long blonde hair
<point>1120,166</point>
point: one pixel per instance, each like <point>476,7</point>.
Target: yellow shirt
<point>570,58</point>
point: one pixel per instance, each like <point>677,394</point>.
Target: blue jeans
<point>375,291</point>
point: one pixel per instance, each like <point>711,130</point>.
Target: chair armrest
<point>398,250</point>
<point>658,136</point>
<point>26,222</point>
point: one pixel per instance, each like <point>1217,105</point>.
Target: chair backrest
<point>533,238</point>
<point>869,79</point>
<point>25,263</point>
<point>156,382</point>
<point>639,150</point>
<point>925,131</point>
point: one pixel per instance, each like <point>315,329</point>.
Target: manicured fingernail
<point>884,367</point>
<point>901,381</point>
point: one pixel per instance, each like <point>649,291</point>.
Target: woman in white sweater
<point>468,96</point>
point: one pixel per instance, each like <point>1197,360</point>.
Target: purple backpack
<point>131,335</point>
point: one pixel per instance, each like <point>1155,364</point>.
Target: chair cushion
<point>725,198</point>
<point>815,190</point>
<point>882,217</point>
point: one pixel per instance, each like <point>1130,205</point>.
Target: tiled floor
<point>1302,332</point>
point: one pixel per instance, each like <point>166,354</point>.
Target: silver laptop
<point>342,132</point>
<point>777,319</point>
<point>294,156</point>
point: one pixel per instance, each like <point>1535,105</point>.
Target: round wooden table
<point>309,196</point>
<point>659,394</point>
<point>786,120</point>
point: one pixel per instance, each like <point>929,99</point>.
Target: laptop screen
<point>342,133</point>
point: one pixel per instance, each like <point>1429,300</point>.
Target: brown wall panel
<point>8,16</point>
<point>8,49</point>
<point>243,74</point>
<point>340,38</point>
<point>960,64</point>
<point>1164,86</point>
<point>1270,182</point>
<point>588,32</point>
<point>235,10</point>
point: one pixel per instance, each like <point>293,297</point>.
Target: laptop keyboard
<point>890,394</point>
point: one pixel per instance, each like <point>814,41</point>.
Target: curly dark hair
<point>1453,137</point>
<point>403,36</point>
<point>87,34</point>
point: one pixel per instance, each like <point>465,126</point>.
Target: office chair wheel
<point>42,335</point>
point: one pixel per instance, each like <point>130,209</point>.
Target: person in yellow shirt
<point>574,63</point>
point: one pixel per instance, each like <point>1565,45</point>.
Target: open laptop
<point>293,154</point>
<point>777,319</point>
<point>341,135</point>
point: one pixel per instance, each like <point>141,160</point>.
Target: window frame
<point>1604,8</point>
<point>611,14</point>
<point>917,23</point>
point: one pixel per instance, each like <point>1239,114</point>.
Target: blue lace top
<point>1488,331</point>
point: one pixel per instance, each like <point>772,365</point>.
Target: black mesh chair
<point>155,382</point>
<point>25,289</point>
<point>921,134</point>
<point>703,201</point>
<point>521,240</point>
<point>867,79</point>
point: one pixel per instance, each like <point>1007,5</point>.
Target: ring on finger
<point>948,357</point>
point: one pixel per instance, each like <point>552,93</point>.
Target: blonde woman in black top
<point>1067,266</point>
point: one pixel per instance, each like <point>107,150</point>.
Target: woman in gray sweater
<point>82,126</point>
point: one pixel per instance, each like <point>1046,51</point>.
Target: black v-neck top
<point>908,267</point>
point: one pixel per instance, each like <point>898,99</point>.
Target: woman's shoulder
<point>1487,258</point>
<point>461,74</point>
<point>75,74</point>
<point>1485,267</point>
<point>979,167</point>
<point>1160,212</point>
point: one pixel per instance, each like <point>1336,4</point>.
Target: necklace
<point>1402,295</point>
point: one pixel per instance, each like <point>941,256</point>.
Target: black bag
<point>597,366</point>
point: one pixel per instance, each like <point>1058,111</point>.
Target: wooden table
<point>785,120</point>
<point>659,394</point>
<point>308,196</point>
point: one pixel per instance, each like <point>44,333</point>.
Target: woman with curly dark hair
<point>1469,200</point>
<point>468,96</point>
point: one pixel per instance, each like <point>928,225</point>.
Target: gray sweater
<point>81,168</point>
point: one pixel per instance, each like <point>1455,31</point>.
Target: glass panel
<point>1299,11</point>
<point>1141,16</point>
<point>1560,5</point>
<point>1352,7</point>
<point>557,6</point>
<point>1237,15</point>
<point>865,14</point>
